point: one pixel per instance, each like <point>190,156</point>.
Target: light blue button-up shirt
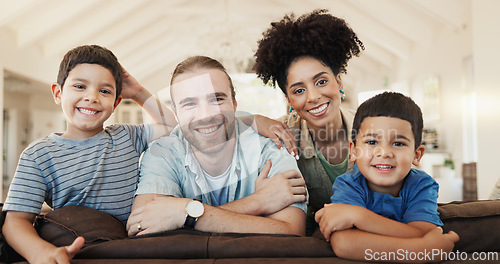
<point>169,167</point>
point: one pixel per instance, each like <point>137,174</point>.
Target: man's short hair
<point>200,62</point>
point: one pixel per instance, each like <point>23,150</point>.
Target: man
<point>216,159</point>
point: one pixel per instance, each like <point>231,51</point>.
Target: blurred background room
<point>443,53</point>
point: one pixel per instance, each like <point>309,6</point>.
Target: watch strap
<point>190,222</point>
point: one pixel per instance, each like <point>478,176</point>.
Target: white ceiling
<point>151,36</point>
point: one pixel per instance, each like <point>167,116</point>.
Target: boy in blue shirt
<point>87,165</point>
<point>383,205</point>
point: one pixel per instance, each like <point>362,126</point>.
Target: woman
<point>305,57</point>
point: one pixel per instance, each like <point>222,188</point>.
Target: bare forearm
<point>22,236</point>
<point>374,223</point>
<point>247,205</point>
<point>162,213</point>
<point>360,245</point>
<point>158,111</point>
<point>290,220</point>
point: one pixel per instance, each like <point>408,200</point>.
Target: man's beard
<point>210,144</point>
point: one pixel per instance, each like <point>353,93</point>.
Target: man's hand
<point>163,213</point>
<point>279,191</point>
<point>336,217</point>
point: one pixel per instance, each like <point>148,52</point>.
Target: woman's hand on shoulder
<point>277,131</point>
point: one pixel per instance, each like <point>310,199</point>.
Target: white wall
<point>486,44</point>
<point>1,129</point>
<point>27,61</point>
<point>444,59</point>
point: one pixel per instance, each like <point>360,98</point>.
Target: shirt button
<point>309,153</point>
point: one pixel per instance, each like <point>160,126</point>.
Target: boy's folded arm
<point>361,245</point>
<point>340,216</point>
<point>423,226</point>
<point>375,223</point>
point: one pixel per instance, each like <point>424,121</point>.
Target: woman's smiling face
<point>313,90</point>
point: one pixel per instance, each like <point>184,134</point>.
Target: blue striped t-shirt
<point>100,172</point>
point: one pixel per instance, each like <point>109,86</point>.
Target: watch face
<point>195,209</point>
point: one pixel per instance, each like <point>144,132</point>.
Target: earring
<point>292,112</point>
<point>342,95</point>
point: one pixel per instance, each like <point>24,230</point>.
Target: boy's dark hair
<point>317,34</point>
<point>391,104</point>
<point>92,54</point>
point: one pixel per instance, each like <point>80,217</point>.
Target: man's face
<point>204,108</point>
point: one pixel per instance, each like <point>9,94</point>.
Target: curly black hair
<point>317,34</point>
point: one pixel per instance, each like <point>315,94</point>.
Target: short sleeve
<point>139,134</point>
<point>347,190</point>
<point>28,190</point>
<point>160,165</point>
<point>421,200</point>
<point>281,161</point>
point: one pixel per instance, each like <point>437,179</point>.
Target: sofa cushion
<point>176,244</point>
<point>476,223</point>
<point>230,245</point>
<point>106,237</point>
<point>63,225</point>
<point>192,244</point>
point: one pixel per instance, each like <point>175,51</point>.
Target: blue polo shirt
<point>169,167</point>
<point>417,200</point>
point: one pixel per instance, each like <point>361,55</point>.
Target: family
<point>347,173</point>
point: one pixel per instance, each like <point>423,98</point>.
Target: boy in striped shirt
<point>89,164</point>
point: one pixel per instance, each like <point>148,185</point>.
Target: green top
<point>333,171</point>
<point>319,184</point>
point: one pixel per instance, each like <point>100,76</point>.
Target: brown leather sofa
<point>476,222</point>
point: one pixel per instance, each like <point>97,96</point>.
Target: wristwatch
<point>194,209</point>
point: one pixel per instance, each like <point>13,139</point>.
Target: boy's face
<point>87,99</point>
<point>384,152</point>
<point>204,108</point>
